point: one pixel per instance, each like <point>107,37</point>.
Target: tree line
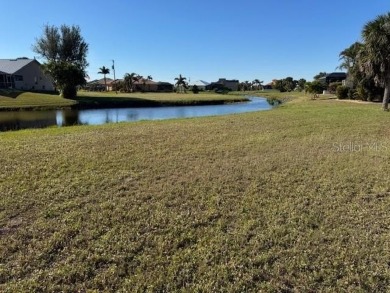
<point>368,62</point>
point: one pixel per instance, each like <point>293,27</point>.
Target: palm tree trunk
<point>385,102</point>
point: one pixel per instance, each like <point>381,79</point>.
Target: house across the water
<point>224,83</point>
<point>24,74</point>
<point>333,77</point>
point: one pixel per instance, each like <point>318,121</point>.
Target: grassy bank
<point>13,100</point>
<point>290,200</point>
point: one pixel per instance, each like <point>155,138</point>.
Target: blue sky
<point>245,40</point>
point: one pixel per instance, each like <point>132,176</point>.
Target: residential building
<point>333,77</point>
<point>142,85</point>
<point>99,85</point>
<point>24,74</point>
<point>145,85</point>
<point>201,84</point>
<point>224,83</point>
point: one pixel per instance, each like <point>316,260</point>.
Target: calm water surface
<point>15,120</point>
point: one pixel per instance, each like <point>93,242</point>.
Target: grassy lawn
<point>295,199</point>
<point>29,100</point>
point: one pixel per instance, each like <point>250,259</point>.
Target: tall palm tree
<point>104,71</point>
<point>181,83</point>
<point>375,53</point>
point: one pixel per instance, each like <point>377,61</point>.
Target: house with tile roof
<point>24,74</point>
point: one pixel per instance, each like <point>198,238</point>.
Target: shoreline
<point>95,104</point>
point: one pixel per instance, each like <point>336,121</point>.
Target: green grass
<point>260,202</point>
<point>31,100</point>
<point>11,100</point>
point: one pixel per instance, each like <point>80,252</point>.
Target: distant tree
<point>286,85</point>
<point>65,53</point>
<point>279,85</point>
<point>181,84</point>
<point>247,85</point>
<point>129,80</point>
<point>195,89</point>
<point>104,71</point>
<point>289,84</point>
<point>149,78</point>
<point>301,84</point>
<point>375,54</point>
<point>258,84</point>
<point>319,75</point>
<point>315,87</point>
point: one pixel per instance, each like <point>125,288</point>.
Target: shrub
<point>352,94</point>
<point>315,88</point>
<point>195,89</point>
<point>342,92</point>
<point>361,93</point>
<point>333,87</point>
<point>222,90</point>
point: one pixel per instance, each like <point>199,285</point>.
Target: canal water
<point>15,120</point>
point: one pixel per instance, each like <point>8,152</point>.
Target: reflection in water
<point>70,117</point>
<point>16,120</point>
<point>39,119</point>
<point>131,116</point>
<point>274,101</point>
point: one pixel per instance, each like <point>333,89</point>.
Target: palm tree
<point>257,83</point>
<point>130,78</point>
<point>247,85</point>
<point>349,56</point>
<point>181,83</point>
<point>349,61</point>
<point>375,54</point>
<point>104,71</point>
<point>149,78</point>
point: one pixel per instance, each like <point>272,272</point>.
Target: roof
<point>100,81</point>
<point>336,74</point>
<point>114,81</point>
<point>227,80</point>
<point>145,81</point>
<point>200,83</point>
<point>11,66</point>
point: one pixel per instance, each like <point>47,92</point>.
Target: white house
<point>24,74</point>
